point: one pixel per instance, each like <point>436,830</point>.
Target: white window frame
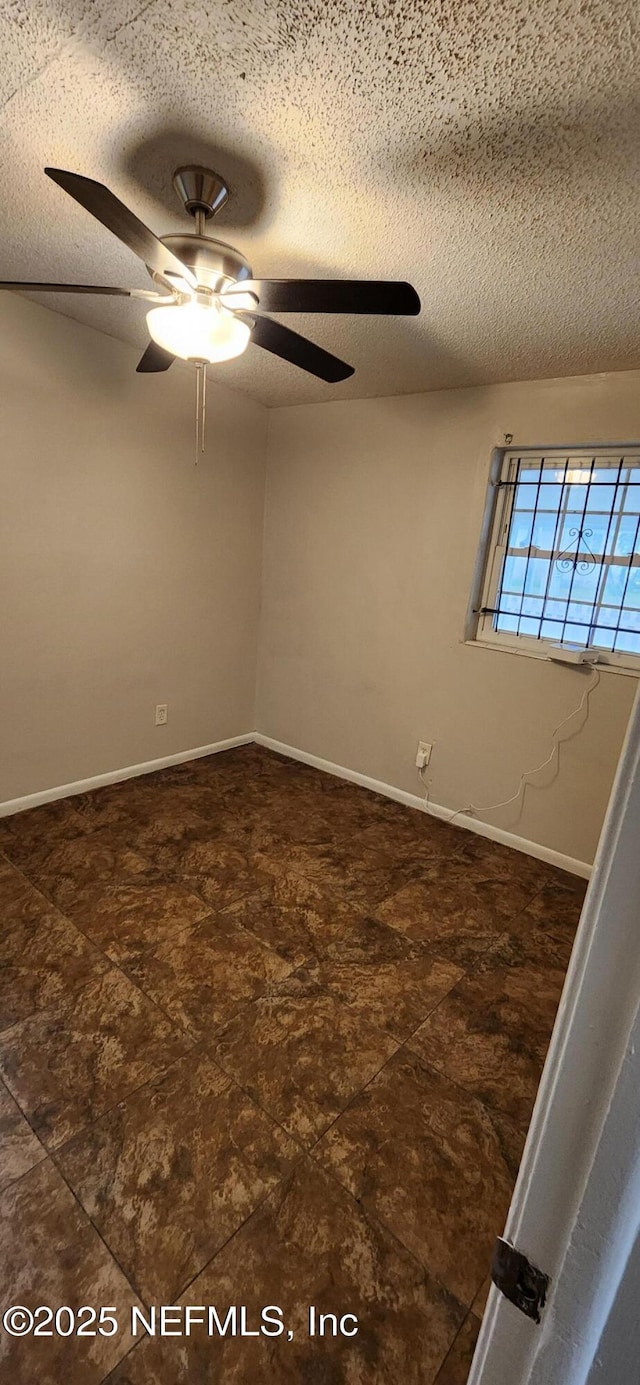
<point>495,527</point>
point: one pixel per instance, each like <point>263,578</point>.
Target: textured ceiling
<point>486,150</point>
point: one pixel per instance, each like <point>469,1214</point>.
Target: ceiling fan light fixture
<point>198,331</point>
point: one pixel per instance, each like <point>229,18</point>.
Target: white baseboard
<point>114,776</point>
<point>412,800</point>
<point>483,829</point>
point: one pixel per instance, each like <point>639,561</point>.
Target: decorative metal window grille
<point>565,566</point>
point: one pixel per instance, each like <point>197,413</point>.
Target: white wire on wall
<point>473,810</point>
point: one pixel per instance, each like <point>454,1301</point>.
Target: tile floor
<point>265,1038</point>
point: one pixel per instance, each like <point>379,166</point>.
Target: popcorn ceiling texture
<point>486,150</point>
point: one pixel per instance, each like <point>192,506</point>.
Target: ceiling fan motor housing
<point>214,264</point>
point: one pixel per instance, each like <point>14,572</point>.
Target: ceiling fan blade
<point>113,214</point>
<point>382,296</point>
<point>18,286</point>
<point>155,358</point>
<point>281,341</point>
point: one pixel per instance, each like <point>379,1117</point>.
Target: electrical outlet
<point>161,714</point>
<point>423,754</point>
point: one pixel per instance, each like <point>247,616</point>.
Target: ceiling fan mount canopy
<point>214,263</point>
<point>200,189</point>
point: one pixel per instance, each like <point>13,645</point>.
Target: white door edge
<point>580,1166</point>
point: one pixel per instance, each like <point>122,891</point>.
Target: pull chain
<point>201,406</point>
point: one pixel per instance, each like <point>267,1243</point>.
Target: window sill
<point>546,658</point>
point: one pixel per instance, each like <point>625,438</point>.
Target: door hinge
<point>519,1280</point>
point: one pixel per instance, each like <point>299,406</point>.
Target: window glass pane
<point>569,541</point>
<point>528,627</point>
<point>509,602</point>
<point>513,574</point>
<point>526,496</point>
<point>560,582</point>
<point>614,585</point>
<point>614,474</point>
<point>628,644</point>
<point>579,612</point>
<point>574,634</point>
<point>602,638</point>
<point>532,606</point>
<point>630,620</point>
<point>601,530</point>
<point>507,623</point>
<point>551,629</point>
<point>632,502</point>
<point>607,618</point>
<point>577,497</point>
<point>550,498</point>
<point>600,498</point>
<point>544,530</point>
<point>632,597</point>
<point>537,571</point>
<point>520,532</point>
<point>585,584</point>
<point>626,539</point>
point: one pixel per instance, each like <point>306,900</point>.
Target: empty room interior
<point>320,576</point>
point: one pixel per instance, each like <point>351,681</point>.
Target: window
<point>563,558</point>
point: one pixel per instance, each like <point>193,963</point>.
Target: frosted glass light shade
<point>198,332</point>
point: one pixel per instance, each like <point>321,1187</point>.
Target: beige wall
<point>127,576</point>
<point>373,513</point>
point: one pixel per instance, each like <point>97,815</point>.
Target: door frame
<point>575,1211</point>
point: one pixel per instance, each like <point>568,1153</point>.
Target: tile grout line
<point>375,1218</point>
<point>469,1314</point>
<point>181,1290</point>
<point>84,1213</point>
<point>160,1074</point>
<point>469,973</point>
<point>52,1156</point>
<point>89,1125</point>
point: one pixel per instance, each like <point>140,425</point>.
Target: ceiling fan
<point>212,307</point>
